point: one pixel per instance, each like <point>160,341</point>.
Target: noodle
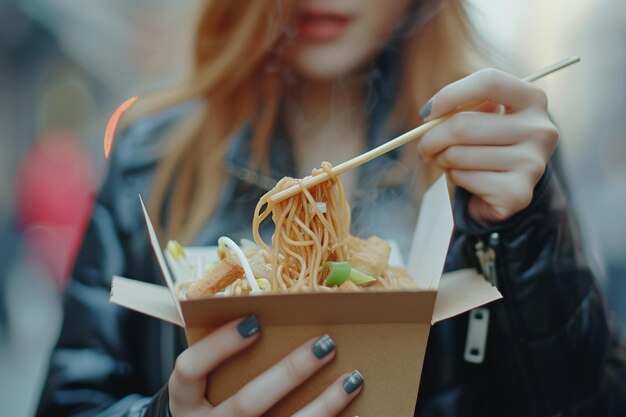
<point>305,237</point>
<point>311,237</point>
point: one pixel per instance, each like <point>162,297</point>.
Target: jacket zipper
<point>486,254</point>
<point>478,322</point>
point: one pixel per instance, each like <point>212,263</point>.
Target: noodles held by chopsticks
<point>311,241</point>
<point>305,238</point>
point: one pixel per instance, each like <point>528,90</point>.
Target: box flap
<point>153,300</point>
<point>156,247</point>
<point>432,236</point>
<point>461,291</point>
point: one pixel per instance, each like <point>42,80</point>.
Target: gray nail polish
<point>352,382</point>
<point>426,109</point>
<point>249,326</point>
<point>323,346</point>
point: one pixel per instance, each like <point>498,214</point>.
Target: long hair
<point>237,77</point>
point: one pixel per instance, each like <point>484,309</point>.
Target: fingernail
<point>352,382</point>
<point>426,109</point>
<point>323,346</point>
<point>249,326</point>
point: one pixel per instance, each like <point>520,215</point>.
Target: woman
<point>278,87</point>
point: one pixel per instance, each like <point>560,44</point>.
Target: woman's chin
<point>324,70</point>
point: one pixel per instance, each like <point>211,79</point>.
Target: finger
<point>474,128</point>
<point>259,395</point>
<point>484,184</point>
<point>335,398</point>
<point>188,380</point>
<point>487,84</point>
<point>504,192</point>
<point>484,158</point>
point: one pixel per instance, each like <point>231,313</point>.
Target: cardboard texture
<point>389,355</point>
<point>382,333</point>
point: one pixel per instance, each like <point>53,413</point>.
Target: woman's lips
<point>318,26</point>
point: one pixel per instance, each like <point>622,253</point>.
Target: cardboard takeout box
<point>383,334</point>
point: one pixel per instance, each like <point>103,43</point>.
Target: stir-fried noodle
<point>311,228</point>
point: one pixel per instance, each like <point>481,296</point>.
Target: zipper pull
<point>476,341</point>
<point>486,255</point>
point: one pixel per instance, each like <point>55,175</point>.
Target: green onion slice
<point>359,278</point>
<point>338,273</point>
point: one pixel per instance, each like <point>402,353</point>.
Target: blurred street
<point>35,312</point>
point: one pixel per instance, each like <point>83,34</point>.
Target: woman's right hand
<point>188,382</point>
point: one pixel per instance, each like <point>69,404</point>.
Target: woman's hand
<point>187,384</point>
<point>500,151</point>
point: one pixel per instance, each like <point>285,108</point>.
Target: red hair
<point>237,74</point>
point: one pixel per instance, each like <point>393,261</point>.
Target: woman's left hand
<point>498,152</point>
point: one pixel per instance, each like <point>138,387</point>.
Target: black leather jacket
<point>549,350</point>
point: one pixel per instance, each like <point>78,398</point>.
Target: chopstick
<point>311,181</point>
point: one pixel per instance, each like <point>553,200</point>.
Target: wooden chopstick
<point>359,160</point>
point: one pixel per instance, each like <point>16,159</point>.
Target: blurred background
<point>65,65</point>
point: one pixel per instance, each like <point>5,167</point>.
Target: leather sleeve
<point>549,343</point>
<point>94,367</point>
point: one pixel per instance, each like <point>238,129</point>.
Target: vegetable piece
<point>177,251</point>
<point>359,278</point>
<point>179,263</point>
<point>337,273</point>
<point>264,285</point>
<point>226,241</point>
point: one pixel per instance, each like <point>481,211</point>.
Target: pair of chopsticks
<point>311,181</point>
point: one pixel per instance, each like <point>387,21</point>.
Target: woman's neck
<point>325,112</point>
<point>326,122</point>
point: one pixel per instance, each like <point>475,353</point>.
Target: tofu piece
<point>369,256</point>
<point>225,273</point>
<point>402,277</point>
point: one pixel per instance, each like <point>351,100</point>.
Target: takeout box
<point>383,334</point>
